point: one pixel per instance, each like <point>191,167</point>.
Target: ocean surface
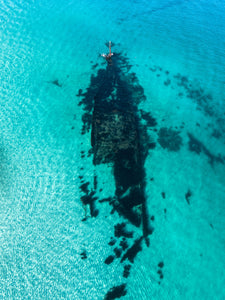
<point>50,246</point>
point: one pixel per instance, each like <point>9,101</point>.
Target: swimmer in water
<point>108,56</point>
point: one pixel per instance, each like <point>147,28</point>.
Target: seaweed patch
<point>196,146</point>
<point>169,139</point>
<point>193,90</point>
<point>196,93</point>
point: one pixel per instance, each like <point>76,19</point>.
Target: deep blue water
<point>49,51</point>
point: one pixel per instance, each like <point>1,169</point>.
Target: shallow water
<point>49,50</point>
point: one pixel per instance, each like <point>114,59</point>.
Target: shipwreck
<point>117,135</point>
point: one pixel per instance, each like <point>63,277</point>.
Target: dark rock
<point>126,271</point>
<point>116,292</point>
<point>109,260</point>
<point>133,251</point>
<point>161,264</point>
<point>95,182</point>
<point>112,242</point>
<point>56,82</point>
<point>84,187</point>
<point>94,212</point>
<point>124,244</point>
<point>167,82</point>
<point>95,66</point>
<point>150,230</point>
<point>120,230</point>
<point>118,252</point>
<point>109,199</point>
<point>187,196</point>
<point>83,255</point>
<point>163,195</point>
<point>79,93</point>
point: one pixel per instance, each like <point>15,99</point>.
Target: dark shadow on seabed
<point>111,110</point>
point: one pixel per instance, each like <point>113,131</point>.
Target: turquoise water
<point>48,49</point>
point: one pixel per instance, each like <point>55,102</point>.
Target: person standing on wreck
<point>108,57</point>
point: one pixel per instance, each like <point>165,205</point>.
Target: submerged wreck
<point>115,139</point>
<point>117,136</point>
